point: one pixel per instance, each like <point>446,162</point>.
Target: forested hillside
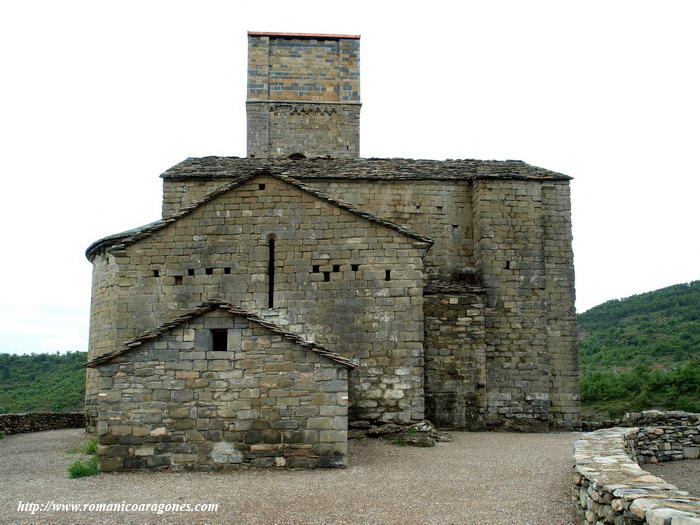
<point>42,382</point>
<point>642,352</point>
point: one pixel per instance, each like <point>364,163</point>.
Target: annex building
<point>282,293</point>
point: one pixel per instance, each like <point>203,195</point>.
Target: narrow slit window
<point>190,272</point>
<point>387,275</point>
<point>227,270</point>
<point>336,267</point>
<point>178,279</point>
<point>209,271</point>
<point>271,272</point>
<point>156,273</point>
<point>326,276</point>
<point>355,267</point>
<point>219,340</point>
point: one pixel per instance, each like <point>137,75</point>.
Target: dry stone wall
<point>611,487</point>
<point>40,421</point>
<point>173,403</point>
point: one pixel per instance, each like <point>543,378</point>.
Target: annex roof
<point>120,240</point>
<point>361,169</point>
<point>208,306</point>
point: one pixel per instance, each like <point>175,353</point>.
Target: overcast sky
<point>98,98</point>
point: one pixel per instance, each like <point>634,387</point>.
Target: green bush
<point>81,469</point>
<point>2,435</point>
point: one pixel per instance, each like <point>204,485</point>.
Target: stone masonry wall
<point>455,360</point>
<point>610,487</point>
<point>440,210</point>
<point>174,404</point>
<point>103,326</point>
<point>303,96</point>
<point>331,284</point>
<point>520,250</point>
<point>40,421</point>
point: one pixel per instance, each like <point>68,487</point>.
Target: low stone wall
<point>612,488</point>
<point>37,422</point>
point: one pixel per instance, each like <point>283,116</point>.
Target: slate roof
<point>119,241</point>
<point>202,309</point>
<point>361,169</point>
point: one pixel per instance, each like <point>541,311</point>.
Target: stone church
<point>285,293</point>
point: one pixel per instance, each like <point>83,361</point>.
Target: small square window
<point>209,271</point>
<point>315,268</point>
<point>219,340</point>
<point>178,279</point>
<point>156,273</point>
<point>261,186</point>
<point>190,272</point>
<point>227,270</point>
<point>336,267</point>
<point>326,276</point>
<point>355,267</point>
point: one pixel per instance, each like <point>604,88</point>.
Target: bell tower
<point>303,95</point>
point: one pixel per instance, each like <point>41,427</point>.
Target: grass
<point>2,435</point>
<point>399,443</point>
<point>87,467</point>
<point>81,469</point>
<point>89,448</point>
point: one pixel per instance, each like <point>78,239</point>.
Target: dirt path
<point>683,474</point>
<point>479,478</point>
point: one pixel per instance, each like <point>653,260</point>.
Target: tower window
<point>326,276</point>
<point>190,272</point>
<point>178,279</point>
<point>219,340</point>
<point>261,186</point>
<point>387,275</point>
<point>156,273</point>
<point>336,267</point>
<point>355,267</point>
<point>227,270</point>
<point>315,268</point>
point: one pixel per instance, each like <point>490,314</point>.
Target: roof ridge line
<point>148,230</point>
<point>205,307</point>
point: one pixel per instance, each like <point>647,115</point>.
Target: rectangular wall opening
<point>219,340</point>
<point>387,275</point>
<point>190,272</point>
<point>271,273</point>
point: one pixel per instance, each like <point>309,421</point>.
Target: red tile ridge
<point>303,35</point>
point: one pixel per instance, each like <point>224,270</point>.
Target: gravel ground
<point>683,474</point>
<point>479,478</point>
